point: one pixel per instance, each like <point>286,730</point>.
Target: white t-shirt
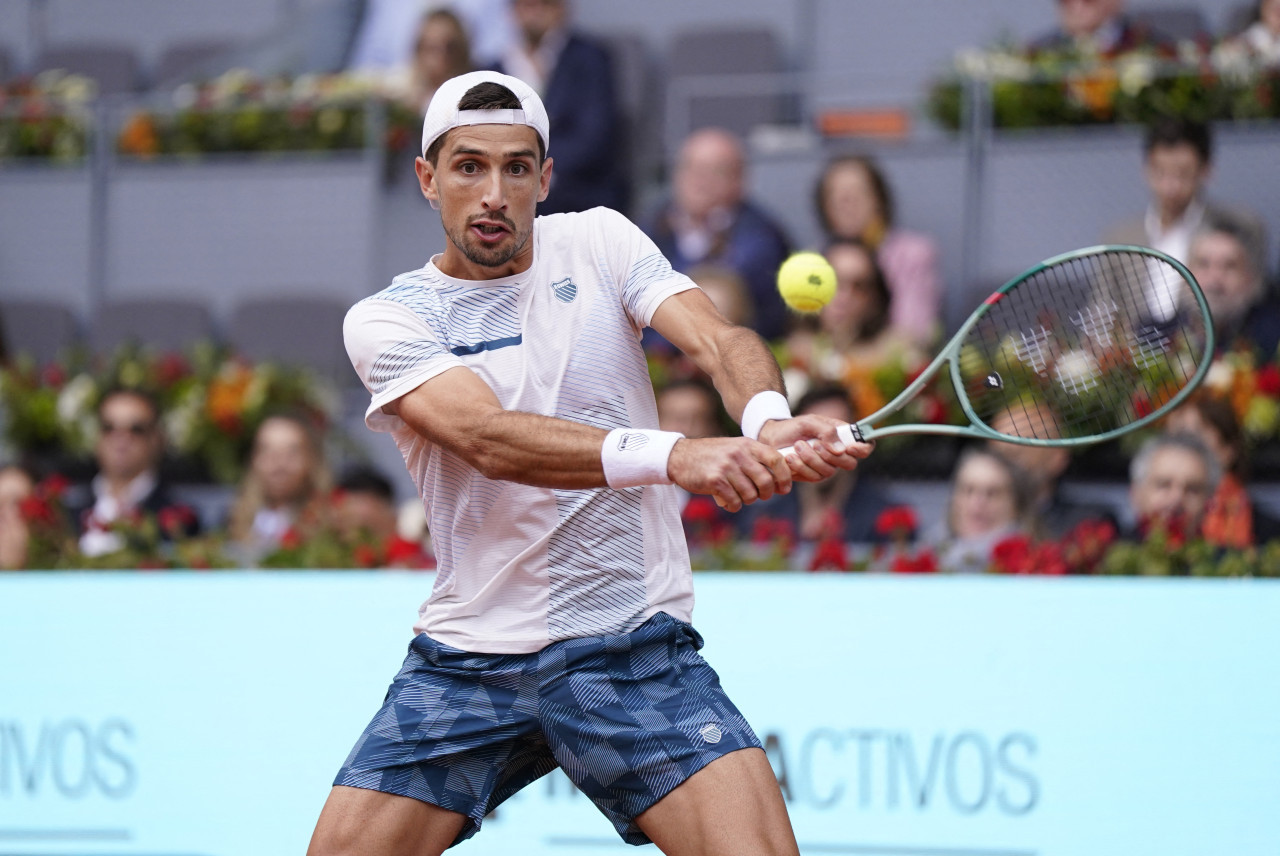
<point>520,567</point>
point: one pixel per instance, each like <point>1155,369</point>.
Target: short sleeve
<point>645,275</point>
<point>394,351</point>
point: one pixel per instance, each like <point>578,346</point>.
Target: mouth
<point>489,231</point>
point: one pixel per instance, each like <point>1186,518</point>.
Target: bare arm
<point>458,411</point>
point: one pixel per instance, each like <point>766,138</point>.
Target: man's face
<point>1221,265</point>
<point>1175,174</point>
<point>536,18</point>
<point>1176,485</point>
<point>488,183</point>
<point>688,410</point>
<point>708,174</point>
<point>129,440</point>
<point>1084,17</point>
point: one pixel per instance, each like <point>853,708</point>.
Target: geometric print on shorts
<point>628,717</point>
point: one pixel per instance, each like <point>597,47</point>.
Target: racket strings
<point>1082,347</point>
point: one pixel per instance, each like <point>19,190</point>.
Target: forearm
<point>740,366</point>
<point>536,450</point>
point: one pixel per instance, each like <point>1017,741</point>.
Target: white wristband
<point>762,407</point>
<point>637,456</point>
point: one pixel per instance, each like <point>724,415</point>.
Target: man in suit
<point>129,449</point>
<point>574,77</point>
<point>709,220</point>
<point>1177,164</point>
<point>1098,26</point>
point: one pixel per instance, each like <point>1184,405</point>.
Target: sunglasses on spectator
<point>136,429</point>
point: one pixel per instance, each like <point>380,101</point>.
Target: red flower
<point>767,531</point>
<point>923,562</point>
<point>1268,380</point>
<point>898,521</point>
<point>699,510</point>
<point>291,539</point>
<point>365,556</point>
<point>1012,555</point>
<point>1048,559</point>
<point>175,520</point>
<point>54,375</point>
<point>53,487</point>
<point>35,509</point>
<point>1142,406</point>
<point>830,555</point>
<point>403,553</point>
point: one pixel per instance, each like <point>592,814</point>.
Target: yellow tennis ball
<point>806,282</point>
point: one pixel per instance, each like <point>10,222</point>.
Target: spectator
<point>690,407</point>
<point>1052,515</point>
<point>1261,39</point>
<point>1101,27</point>
<point>366,516</point>
<point>853,331</point>
<point>574,77</point>
<point>128,485</point>
<point>283,496</point>
<point>1227,259</point>
<point>854,202</point>
<point>1232,519</point>
<point>441,51</point>
<point>989,498</point>
<point>708,220</point>
<point>1177,163</point>
<point>728,291</point>
<point>388,31</point>
<point>1170,482</point>
<point>16,485</point>
<point>848,502</point>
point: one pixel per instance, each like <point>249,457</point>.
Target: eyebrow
<point>521,153</point>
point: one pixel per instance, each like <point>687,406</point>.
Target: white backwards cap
<point>443,114</point>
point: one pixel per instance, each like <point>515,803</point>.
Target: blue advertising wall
<point>206,714</point>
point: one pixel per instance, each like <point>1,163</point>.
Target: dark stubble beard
<point>489,256</point>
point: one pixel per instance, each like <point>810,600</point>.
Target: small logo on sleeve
<point>564,290</point>
<point>711,732</point>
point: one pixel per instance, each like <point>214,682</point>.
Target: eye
<point>469,168</point>
<point>519,169</point>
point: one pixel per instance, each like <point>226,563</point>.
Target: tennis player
<point>509,371</point>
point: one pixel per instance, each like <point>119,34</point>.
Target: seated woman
<point>989,498</point>
<point>1231,519</point>
<point>286,491</point>
<point>854,202</point>
<point>854,334</point>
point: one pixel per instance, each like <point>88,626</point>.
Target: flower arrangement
<point>1253,388</point>
<point>212,401</point>
<point>46,116</point>
<point>1074,87</point>
<point>239,112</point>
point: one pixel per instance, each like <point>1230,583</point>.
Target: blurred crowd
<point>1188,481</point>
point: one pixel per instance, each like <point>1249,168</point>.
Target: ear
<point>545,182</point>
<point>427,181</point>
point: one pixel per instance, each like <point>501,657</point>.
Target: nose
<point>495,196</point>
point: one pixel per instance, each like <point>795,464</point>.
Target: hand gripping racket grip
<point>847,434</point>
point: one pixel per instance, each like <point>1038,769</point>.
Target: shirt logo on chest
<point>564,290</point>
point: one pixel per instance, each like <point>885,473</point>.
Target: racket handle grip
<point>847,434</point>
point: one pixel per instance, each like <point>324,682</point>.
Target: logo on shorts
<point>564,290</point>
<point>711,732</point>
<point>631,441</point>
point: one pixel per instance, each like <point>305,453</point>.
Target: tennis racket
<point>1081,348</point>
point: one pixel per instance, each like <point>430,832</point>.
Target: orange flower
<point>1095,91</point>
<point>139,136</point>
<point>227,392</point>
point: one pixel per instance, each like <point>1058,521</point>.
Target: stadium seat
<point>727,52</point>
<point>183,61</point>
<point>40,329</point>
<point>299,331</point>
<point>114,68</point>
<point>161,323</point>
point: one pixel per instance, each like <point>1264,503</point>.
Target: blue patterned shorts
<point>628,717</point>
